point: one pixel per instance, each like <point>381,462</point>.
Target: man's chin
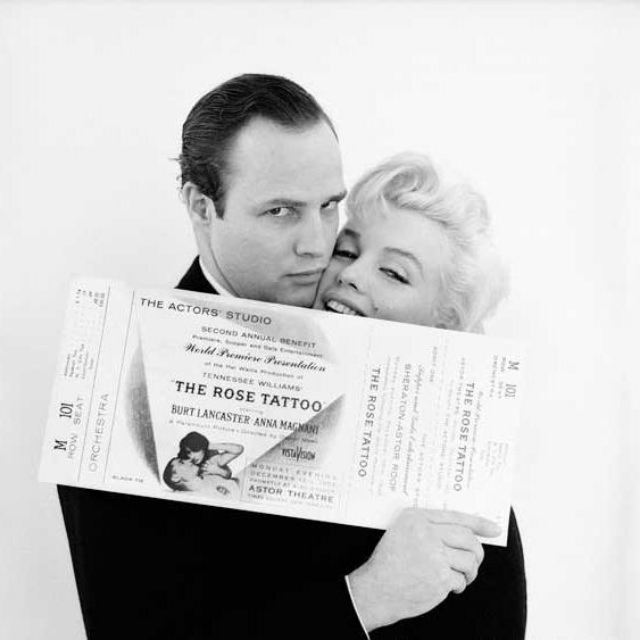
<point>298,297</point>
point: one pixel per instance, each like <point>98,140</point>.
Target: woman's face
<point>386,266</point>
<point>196,457</point>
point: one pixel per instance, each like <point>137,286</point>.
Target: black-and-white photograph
<point>203,466</point>
<point>465,166</point>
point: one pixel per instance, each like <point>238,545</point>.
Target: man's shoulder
<point>195,280</point>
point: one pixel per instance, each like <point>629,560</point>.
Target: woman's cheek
<point>330,276</point>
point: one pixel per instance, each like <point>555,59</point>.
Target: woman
<point>415,249</point>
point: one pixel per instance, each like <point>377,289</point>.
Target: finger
<point>458,537</point>
<point>463,562</point>
<point>480,526</point>
<point>457,582</point>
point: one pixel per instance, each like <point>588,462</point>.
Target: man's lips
<point>308,275</point>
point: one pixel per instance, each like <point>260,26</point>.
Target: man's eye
<point>394,275</point>
<point>279,212</point>
<point>332,205</point>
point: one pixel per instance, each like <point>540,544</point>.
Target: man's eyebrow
<point>288,202</point>
<point>338,197</point>
<point>282,202</point>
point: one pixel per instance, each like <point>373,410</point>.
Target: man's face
<point>183,471</point>
<point>280,215</point>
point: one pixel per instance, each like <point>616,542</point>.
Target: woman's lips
<point>331,304</point>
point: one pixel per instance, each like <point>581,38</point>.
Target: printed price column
<point>80,417</point>
<point>76,372</point>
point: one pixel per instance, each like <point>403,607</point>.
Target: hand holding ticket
<point>276,409</point>
<point>423,556</point>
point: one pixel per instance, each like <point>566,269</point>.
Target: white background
<point>536,102</point>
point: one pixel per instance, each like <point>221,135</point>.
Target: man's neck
<point>214,282</point>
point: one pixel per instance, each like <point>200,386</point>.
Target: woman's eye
<point>344,253</point>
<point>394,275</point>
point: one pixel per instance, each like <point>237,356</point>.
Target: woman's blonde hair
<point>475,280</point>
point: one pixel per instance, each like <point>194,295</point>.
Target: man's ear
<point>199,206</point>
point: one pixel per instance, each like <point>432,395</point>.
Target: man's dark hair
<point>217,118</point>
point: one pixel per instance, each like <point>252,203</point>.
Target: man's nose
<point>313,237</point>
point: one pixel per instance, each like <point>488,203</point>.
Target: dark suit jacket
<point>149,568</point>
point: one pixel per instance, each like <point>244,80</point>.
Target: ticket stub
<point>262,407</point>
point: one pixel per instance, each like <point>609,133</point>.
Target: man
<point>262,179</point>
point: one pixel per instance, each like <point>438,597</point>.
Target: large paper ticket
<point>267,408</point>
